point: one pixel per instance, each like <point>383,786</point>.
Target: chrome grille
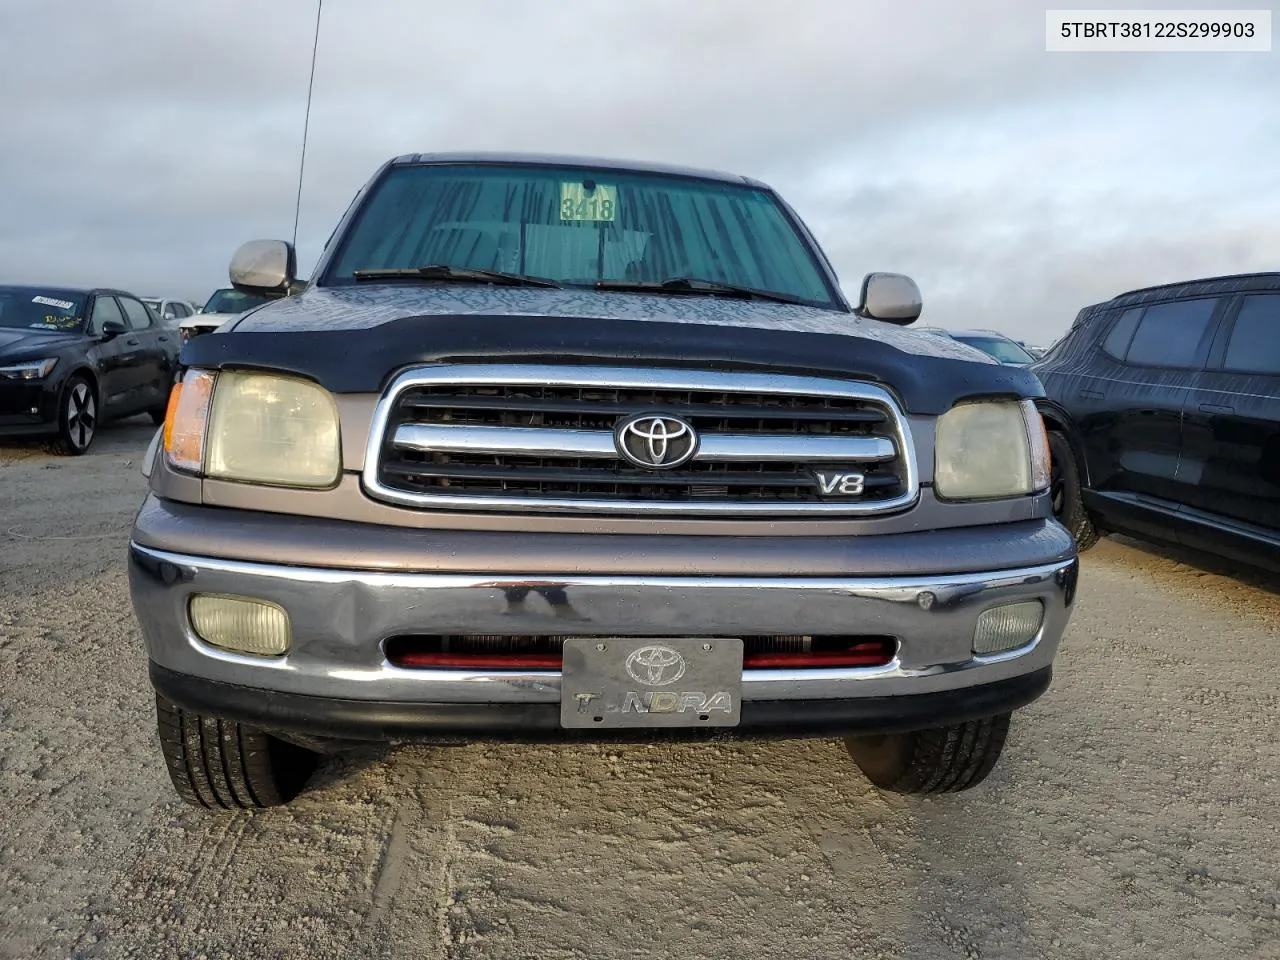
<point>541,438</point>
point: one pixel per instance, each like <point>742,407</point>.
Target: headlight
<point>254,427</point>
<point>31,370</point>
<point>990,448</point>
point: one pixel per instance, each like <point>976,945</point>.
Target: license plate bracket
<point>630,682</point>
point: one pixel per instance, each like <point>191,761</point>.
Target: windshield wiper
<point>694,285</point>
<point>442,271</point>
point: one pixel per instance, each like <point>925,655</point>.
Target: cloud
<point>149,138</point>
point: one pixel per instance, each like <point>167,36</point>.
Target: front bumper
<point>322,721</point>
<point>27,407</point>
<point>336,680</point>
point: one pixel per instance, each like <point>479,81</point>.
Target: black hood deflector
<point>365,360</point>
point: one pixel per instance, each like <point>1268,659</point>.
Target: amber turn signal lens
<point>174,395</point>
<point>184,424</point>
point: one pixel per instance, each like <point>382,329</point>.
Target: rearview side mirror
<point>112,329</point>
<point>265,267</point>
<point>891,297</point>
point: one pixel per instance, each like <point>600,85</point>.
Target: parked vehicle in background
<point>170,312</point>
<point>993,344</point>
<point>225,304</point>
<point>1164,411</point>
<point>71,358</point>
<point>564,448</point>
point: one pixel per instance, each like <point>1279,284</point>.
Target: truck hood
<point>356,338</point>
<point>359,308</point>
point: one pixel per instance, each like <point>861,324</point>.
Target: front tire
<point>77,418</point>
<point>941,760</point>
<point>1066,491</point>
<point>221,764</point>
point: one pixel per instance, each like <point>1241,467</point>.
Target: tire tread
<point>940,760</point>
<point>221,764</point>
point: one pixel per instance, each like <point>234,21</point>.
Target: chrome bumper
<point>340,619</point>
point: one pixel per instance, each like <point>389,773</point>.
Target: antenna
<point>306,123</point>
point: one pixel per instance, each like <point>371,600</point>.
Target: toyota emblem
<point>656,441</point>
<point>655,666</point>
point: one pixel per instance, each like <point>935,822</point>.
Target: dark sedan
<point>990,342</point>
<point>72,358</point>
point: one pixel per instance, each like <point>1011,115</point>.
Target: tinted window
<point>580,227</point>
<point>1117,342</point>
<point>1255,340</point>
<point>1169,333</point>
<point>180,310</point>
<point>104,309</point>
<point>139,318</point>
<point>1006,351</point>
<point>233,301</point>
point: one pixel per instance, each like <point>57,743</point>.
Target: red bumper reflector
<point>480,661</point>
<point>875,654</point>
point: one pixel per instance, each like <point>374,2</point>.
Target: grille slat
<point>492,436</point>
<point>555,474</point>
<point>521,411</point>
<point>522,476</point>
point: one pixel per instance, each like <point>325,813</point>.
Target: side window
<point>104,309</point>
<point>170,310</point>
<point>1117,342</point>
<point>180,310</point>
<point>1255,340</point>
<point>1169,334</point>
<point>139,317</point>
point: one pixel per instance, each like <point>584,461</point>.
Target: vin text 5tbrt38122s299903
<point>556,447</point>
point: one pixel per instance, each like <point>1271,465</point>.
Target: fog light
<point>1008,627</point>
<point>241,625</point>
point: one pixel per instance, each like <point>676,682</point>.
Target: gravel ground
<point>1133,815</point>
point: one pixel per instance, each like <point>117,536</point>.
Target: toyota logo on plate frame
<point>656,441</point>
<point>655,666</point>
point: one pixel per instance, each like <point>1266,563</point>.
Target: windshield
<point>1006,351</point>
<point>233,301</point>
<point>152,303</point>
<point>576,226</point>
<point>34,309</point>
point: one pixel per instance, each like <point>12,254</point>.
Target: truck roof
<point>573,160</point>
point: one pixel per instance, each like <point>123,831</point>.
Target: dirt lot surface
<point>1133,816</point>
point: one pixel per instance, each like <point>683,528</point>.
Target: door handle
<point>1091,395</point>
<point>164,339</point>
<point>1216,408</point>
<point>132,342</point>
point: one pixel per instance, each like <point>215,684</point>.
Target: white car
<point>171,312</point>
<point>225,304</point>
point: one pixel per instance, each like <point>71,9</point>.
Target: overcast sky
<point>142,140</point>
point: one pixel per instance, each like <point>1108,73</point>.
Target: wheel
<point>77,417</point>
<point>1064,487</point>
<point>941,760</point>
<point>219,763</point>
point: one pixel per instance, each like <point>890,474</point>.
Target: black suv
<point>1163,406</point>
